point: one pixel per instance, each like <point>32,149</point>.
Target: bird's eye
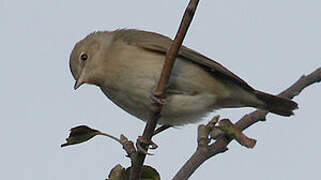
<point>84,56</point>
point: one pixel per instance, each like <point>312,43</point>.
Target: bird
<point>126,65</point>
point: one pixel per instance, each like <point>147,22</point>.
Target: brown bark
<point>159,93</point>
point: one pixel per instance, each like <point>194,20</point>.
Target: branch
<point>159,94</point>
<point>220,145</point>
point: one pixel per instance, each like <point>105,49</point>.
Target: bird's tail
<point>275,104</point>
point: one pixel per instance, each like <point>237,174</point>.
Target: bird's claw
<point>144,141</point>
<point>141,149</point>
<point>157,99</point>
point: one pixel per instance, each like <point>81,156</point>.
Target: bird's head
<point>86,59</point>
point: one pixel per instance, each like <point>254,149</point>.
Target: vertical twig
<point>161,87</point>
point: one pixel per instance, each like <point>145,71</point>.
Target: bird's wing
<point>159,43</point>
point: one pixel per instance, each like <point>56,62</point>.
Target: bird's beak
<point>80,81</point>
<point>78,84</point>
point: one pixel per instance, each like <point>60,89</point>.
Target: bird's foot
<point>143,142</point>
<point>157,99</point>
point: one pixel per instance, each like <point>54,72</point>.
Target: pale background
<point>270,44</point>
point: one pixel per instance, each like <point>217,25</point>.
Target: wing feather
<point>160,43</point>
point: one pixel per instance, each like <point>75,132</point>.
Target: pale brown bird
<point>126,65</point>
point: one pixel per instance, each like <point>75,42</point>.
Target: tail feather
<point>277,105</point>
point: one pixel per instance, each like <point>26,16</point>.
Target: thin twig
<point>161,88</point>
<point>110,136</point>
<point>220,145</point>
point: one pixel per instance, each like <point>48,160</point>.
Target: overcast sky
<point>270,44</point>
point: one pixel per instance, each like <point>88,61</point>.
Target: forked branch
<point>220,145</point>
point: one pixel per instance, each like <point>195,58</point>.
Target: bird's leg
<point>161,129</point>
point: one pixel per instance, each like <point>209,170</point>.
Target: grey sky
<point>270,44</point>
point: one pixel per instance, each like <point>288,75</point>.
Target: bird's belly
<point>135,103</point>
<point>179,109</point>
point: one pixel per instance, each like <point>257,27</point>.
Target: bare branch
<point>160,91</point>
<point>220,145</point>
